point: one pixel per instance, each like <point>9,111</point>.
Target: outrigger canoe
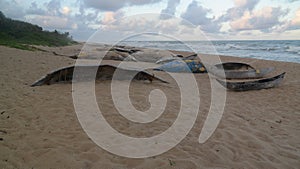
<point>253,85</point>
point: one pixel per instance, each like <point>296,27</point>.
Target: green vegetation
<point>21,35</point>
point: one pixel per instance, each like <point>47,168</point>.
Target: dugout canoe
<point>253,85</point>
<point>234,66</point>
<point>240,74</point>
<point>103,72</point>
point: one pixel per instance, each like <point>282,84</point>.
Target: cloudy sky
<point>184,19</point>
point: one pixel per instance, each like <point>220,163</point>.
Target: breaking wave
<point>279,50</point>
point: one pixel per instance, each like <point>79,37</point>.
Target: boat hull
<point>97,72</point>
<point>253,85</point>
<point>236,74</point>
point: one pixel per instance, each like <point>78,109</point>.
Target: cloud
<point>263,20</point>
<point>238,10</point>
<point>110,17</point>
<point>12,9</point>
<point>51,8</point>
<point>89,15</point>
<point>34,9</point>
<point>244,17</point>
<point>51,15</point>
<point>197,15</point>
<point>83,33</point>
<point>246,4</point>
<point>66,10</point>
<point>52,22</point>
<point>131,24</point>
<point>87,22</point>
<point>295,22</point>
<point>170,9</point>
<point>148,23</point>
<point>111,5</point>
<point>292,24</point>
<point>114,5</point>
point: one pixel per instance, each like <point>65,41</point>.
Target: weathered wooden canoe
<point>182,66</point>
<point>253,85</point>
<point>240,74</point>
<point>103,72</point>
<point>123,49</point>
<point>234,66</point>
<point>176,57</point>
<point>167,60</point>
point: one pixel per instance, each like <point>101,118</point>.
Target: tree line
<point>18,34</point>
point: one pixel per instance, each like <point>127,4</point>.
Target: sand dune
<point>39,127</point>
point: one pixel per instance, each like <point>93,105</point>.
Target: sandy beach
<point>39,127</point>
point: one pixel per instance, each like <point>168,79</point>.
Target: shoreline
<point>79,46</point>
<point>39,126</point>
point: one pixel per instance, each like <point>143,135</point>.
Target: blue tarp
<point>187,66</point>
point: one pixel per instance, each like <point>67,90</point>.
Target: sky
<point>179,19</point>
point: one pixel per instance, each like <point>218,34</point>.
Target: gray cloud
<point>292,24</point>
<point>50,16</point>
<point>34,9</point>
<point>266,23</point>
<point>82,33</point>
<point>197,15</point>
<point>114,5</point>
<point>248,4</point>
<point>266,20</point>
<point>238,10</point>
<point>170,9</point>
<point>12,9</point>
<point>53,7</point>
<point>92,13</point>
<point>53,22</point>
<point>111,5</point>
<point>243,17</point>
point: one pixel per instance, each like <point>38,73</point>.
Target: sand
<point>39,127</point>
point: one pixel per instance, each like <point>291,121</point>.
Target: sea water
<point>278,50</point>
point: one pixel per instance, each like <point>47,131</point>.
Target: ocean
<point>278,50</point>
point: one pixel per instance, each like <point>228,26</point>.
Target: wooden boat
<point>234,66</point>
<point>167,60</point>
<point>125,50</point>
<point>182,66</point>
<point>104,72</point>
<point>240,74</point>
<point>253,85</point>
<point>176,57</point>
